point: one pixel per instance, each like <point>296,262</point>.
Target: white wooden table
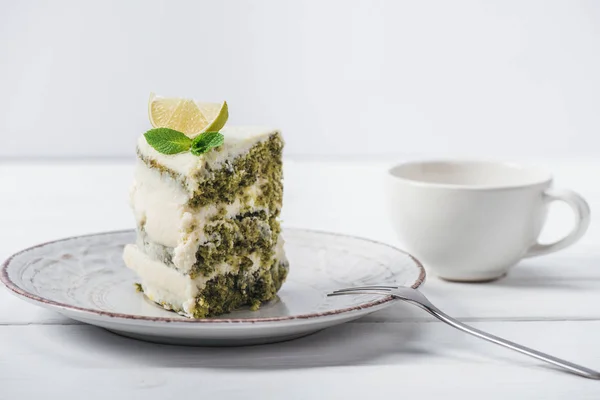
<point>550,303</point>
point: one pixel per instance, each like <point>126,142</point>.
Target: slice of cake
<point>208,235</point>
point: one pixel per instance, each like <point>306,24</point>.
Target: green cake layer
<point>233,240</point>
<point>228,292</point>
<point>225,293</point>
<point>262,162</point>
<point>225,184</point>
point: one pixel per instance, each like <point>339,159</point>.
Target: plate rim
<point>48,303</point>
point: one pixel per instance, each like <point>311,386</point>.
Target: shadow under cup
<point>472,221</point>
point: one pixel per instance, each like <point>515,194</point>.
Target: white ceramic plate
<point>85,279</point>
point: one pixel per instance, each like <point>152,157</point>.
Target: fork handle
<point>569,366</point>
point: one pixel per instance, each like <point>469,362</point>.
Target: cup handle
<point>582,221</point>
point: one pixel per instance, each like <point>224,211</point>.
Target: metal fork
<point>415,297</point>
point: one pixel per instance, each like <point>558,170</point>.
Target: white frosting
<point>163,283</point>
<point>238,140</point>
<point>279,252</point>
<point>159,204</point>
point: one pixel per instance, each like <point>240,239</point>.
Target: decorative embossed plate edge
<point>27,295</point>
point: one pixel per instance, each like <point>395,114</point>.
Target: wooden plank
<point>430,360</point>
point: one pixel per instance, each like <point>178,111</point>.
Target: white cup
<point>472,221</point>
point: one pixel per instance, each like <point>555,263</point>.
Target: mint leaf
<point>168,141</point>
<point>206,141</point>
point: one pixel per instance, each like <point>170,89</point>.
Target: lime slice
<point>186,115</point>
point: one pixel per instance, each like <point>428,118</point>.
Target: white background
<point>340,77</point>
